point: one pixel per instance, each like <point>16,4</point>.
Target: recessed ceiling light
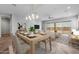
<point>68,7</point>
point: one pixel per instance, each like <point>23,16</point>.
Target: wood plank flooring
<point>5,42</point>
<point>59,46</point>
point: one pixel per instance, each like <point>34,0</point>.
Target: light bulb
<point>26,18</point>
<point>37,17</point>
<point>33,16</point>
<point>30,18</point>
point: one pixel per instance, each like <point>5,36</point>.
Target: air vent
<point>50,17</point>
<point>14,5</point>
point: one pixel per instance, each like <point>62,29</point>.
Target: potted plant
<point>32,30</point>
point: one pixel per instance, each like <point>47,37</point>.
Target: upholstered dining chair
<point>22,47</point>
<point>51,34</point>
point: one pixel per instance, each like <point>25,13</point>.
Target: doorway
<point>5,26</point>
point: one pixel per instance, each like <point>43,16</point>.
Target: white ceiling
<point>43,10</point>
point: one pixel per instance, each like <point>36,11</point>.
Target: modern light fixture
<point>32,17</point>
<point>33,14</point>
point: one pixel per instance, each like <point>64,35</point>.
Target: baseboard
<point>4,35</point>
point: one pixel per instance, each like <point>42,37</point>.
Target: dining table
<point>35,39</point>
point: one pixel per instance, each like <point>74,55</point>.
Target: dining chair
<point>51,34</point>
<point>22,47</point>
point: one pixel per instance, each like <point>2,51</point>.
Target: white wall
<point>14,20</point>
<point>13,24</point>
<point>33,22</point>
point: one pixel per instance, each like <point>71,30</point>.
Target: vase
<point>32,33</point>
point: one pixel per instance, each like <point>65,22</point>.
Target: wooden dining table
<point>32,41</point>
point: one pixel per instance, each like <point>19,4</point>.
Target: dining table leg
<point>46,46</point>
<point>50,43</point>
<point>32,48</point>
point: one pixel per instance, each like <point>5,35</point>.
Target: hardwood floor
<point>62,46</point>
<point>59,46</point>
<point>6,42</point>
